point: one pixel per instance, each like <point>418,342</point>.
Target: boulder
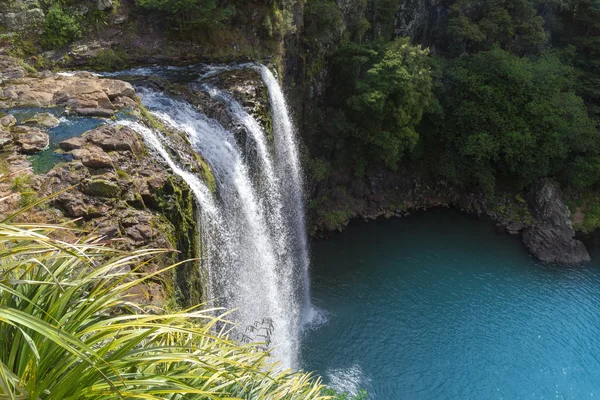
<point>73,143</point>
<point>113,138</point>
<point>96,158</point>
<point>8,121</point>
<point>31,139</point>
<point>552,238</point>
<point>101,188</point>
<point>43,119</point>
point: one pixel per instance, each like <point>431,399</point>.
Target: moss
<point>28,197</point>
<point>206,172</point>
<point>102,188</point>
<point>176,203</point>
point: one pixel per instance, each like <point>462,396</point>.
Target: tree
<point>383,92</point>
<point>513,24</point>
<point>512,118</point>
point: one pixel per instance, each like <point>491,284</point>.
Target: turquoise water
<point>70,126</point>
<point>440,306</point>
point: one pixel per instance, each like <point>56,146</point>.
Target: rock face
<point>552,238</point>
<point>21,15</point>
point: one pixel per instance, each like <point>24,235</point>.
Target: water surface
<point>440,306</point>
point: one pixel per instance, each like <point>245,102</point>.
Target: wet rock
<point>73,143</point>
<point>95,112</point>
<point>43,119</point>
<point>31,140</point>
<point>102,188</point>
<point>552,238</point>
<point>8,121</point>
<point>515,227</point>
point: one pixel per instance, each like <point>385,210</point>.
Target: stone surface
<point>43,119</point>
<point>31,140</point>
<point>102,188</point>
<point>10,68</point>
<point>552,238</point>
<point>73,143</point>
<point>8,121</point>
<point>104,5</point>
<point>114,138</point>
<point>6,139</point>
<point>80,91</point>
<point>96,158</point>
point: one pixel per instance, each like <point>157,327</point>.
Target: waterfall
<point>255,266</point>
<point>288,162</point>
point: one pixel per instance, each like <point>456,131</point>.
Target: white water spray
<point>254,272</point>
<point>288,161</point>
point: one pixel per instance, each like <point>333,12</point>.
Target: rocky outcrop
<point>551,238</point>
<point>46,120</point>
<point>30,140</point>
<point>21,15</point>
<point>83,92</point>
<point>540,216</point>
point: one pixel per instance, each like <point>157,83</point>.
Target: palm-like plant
<point>69,331</point>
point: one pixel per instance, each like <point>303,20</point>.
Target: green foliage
<point>513,119</point>
<point>189,15</point>
<point>319,169</point>
<point>71,330</point>
<point>513,24</point>
<point>109,60</point>
<point>379,95</point>
<point>60,28</point>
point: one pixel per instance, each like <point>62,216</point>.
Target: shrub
<point>70,331</point>
<point>60,28</point>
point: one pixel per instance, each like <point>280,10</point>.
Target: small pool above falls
<point>440,306</point>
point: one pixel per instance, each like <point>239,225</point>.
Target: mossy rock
<point>43,119</point>
<point>102,188</point>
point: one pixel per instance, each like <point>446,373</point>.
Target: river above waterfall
<point>441,306</point>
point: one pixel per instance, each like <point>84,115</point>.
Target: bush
<point>60,28</point>
<point>70,331</point>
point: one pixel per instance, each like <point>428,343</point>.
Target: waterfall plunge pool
<point>440,306</point>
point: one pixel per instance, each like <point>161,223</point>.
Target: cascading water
<point>288,162</point>
<point>262,259</point>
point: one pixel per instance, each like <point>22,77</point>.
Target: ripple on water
<point>440,306</point>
